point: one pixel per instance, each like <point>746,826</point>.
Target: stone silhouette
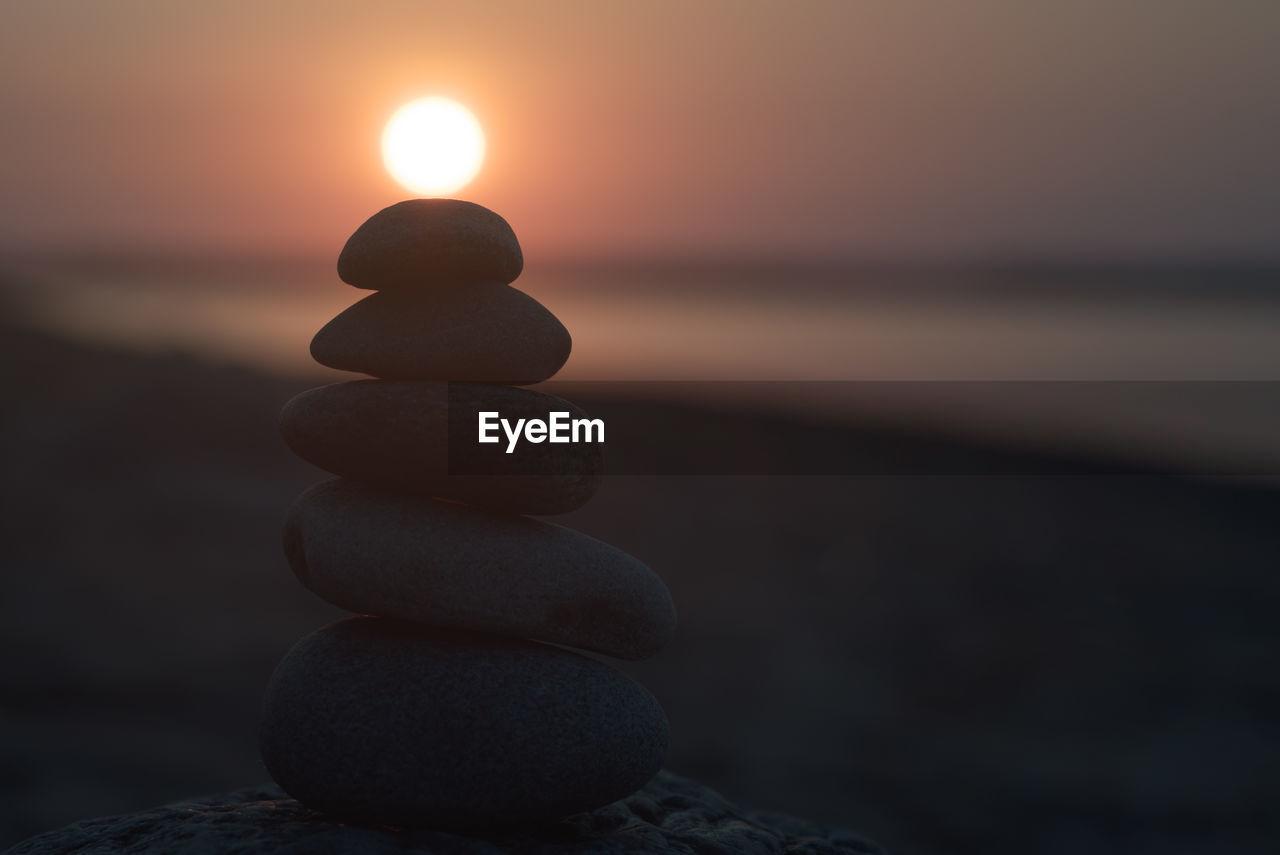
<point>447,705</point>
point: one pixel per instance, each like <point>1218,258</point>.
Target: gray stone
<point>420,437</point>
<point>444,564</point>
<point>671,814</point>
<point>428,243</point>
<point>390,722</point>
<point>486,332</point>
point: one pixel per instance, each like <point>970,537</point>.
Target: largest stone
<point>381,721</point>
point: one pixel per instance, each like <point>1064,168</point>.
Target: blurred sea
<point>1199,352</point>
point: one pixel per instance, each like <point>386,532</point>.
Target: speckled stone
<point>486,332</point>
<point>443,564</point>
<point>671,814</point>
<point>384,721</point>
<point>397,433</point>
<point>427,243</point>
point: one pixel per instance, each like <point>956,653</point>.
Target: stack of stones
<point>453,702</point>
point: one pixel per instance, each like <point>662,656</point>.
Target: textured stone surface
<point>671,814</point>
<point>486,332</point>
<point>444,564</point>
<point>427,243</point>
<point>384,721</point>
<point>420,437</point>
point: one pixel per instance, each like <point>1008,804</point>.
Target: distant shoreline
<point>965,278</point>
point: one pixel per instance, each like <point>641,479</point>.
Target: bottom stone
<point>671,814</point>
<point>393,723</point>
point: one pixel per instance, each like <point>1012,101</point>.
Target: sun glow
<point>433,146</point>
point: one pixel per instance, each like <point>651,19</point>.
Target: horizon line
<point>758,265</point>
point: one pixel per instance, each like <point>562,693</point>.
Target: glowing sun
<point>433,146</point>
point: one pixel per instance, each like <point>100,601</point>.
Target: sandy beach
<point>1000,661</point>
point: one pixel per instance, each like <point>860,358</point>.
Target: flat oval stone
<point>387,722</point>
<point>421,243</point>
<point>487,333</point>
<point>420,437</point>
<point>444,564</point>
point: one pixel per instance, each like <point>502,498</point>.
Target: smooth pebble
<point>422,244</point>
<point>380,721</point>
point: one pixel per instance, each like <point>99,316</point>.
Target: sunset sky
<point>993,128</point>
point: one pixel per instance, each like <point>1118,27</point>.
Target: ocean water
<point>1188,374</point>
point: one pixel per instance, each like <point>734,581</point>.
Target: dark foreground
<point>1047,663</point>
<point>671,814</point>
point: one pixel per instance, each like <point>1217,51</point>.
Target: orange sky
<point>1126,127</point>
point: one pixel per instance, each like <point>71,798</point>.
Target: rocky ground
<point>1014,663</point>
<point>671,814</point>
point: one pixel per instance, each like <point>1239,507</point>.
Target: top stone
<point>423,242</point>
